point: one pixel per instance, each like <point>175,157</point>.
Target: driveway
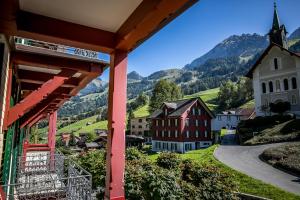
<point>245,159</point>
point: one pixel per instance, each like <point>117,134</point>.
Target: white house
<point>230,119</point>
<point>276,74</point>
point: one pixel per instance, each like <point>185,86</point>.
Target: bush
<point>94,162</point>
<point>133,153</point>
<point>145,180</point>
<point>168,160</point>
<point>208,181</point>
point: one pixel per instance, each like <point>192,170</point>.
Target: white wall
<point>223,121</point>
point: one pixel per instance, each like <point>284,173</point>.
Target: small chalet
<point>181,126</point>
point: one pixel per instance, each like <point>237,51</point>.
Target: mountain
<point>228,60</point>
<point>243,46</point>
<point>295,34</point>
<point>134,76</point>
<point>96,86</point>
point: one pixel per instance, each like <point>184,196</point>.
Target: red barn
<point>181,126</point>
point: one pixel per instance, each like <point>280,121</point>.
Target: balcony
<point>41,175</point>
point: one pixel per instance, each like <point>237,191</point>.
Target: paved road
<point>245,159</point>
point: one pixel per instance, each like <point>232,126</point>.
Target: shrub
<point>168,160</point>
<point>133,153</point>
<point>144,181</point>
<point>94,162</point>
<point>208,181</point>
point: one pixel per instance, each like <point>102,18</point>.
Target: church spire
<point>276,23</point>
<point>278,32</point>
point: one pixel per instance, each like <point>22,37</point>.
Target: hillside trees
<point>141,100</point>
<point>164,91</point>
<point>232,95</point>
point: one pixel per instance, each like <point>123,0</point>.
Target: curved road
<point>245,159</point>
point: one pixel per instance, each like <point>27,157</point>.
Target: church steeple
<point>276,23</point>
<point>278,32</point>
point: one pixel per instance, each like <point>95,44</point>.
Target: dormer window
<point>275,63</point>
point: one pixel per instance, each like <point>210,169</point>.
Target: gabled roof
<point>180,107</point>
<point>250,72</point>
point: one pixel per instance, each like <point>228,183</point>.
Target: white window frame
<point>187,134</point>
<point>176,122</point>
<point>176,133</point>
<point>169,133</point>
<point>162,133</point>
<point>197,133</point>
<point>205,134</point>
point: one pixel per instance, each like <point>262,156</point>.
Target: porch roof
<point>99,25</point>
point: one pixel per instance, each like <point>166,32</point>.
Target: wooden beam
<point>58,63</point>
<point>149,17</point>
<point>32,86</point>
<point>37,96</point>
<point>39,109</point>
<point>34,121</point>
<point>48,29</point>
<point>40,78</point>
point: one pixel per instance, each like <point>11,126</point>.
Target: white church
<point>276,74</point>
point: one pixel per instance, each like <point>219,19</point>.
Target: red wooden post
<point>8,94</point>
<point>115,159</point>
<point>51,137</point>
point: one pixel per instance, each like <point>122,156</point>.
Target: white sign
<point>86,53</point>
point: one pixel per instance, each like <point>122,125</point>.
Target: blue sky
<point>203,26</point>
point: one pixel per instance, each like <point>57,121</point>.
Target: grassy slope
<point>278,133</point>
<point>245,183</point>
<point>285,156</point>
<point>208,96</point>
<point>141,111</point>
<point>78,125</point>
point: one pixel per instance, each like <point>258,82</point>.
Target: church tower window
<point>270,86</point>
<point>275,63</point>
<point>286,84</point>
<point>264,88</point>
<point>294,83</point>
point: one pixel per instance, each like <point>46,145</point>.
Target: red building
<point>181,126</point>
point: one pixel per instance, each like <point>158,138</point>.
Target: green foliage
<point>164,91</point>
<point>168,160</point>
<point>145,181</point>
<point>130,116</point>
<point>232,95</point>
<point>280,107</point>
<point>94,162</point>
<point>140,101</point>
<point>206,178</point>
<point>133,153</point>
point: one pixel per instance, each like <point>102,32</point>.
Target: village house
<point>276,74</point>
<point>140,126</point>
<point>181,126</point>
<point>230,119</point>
